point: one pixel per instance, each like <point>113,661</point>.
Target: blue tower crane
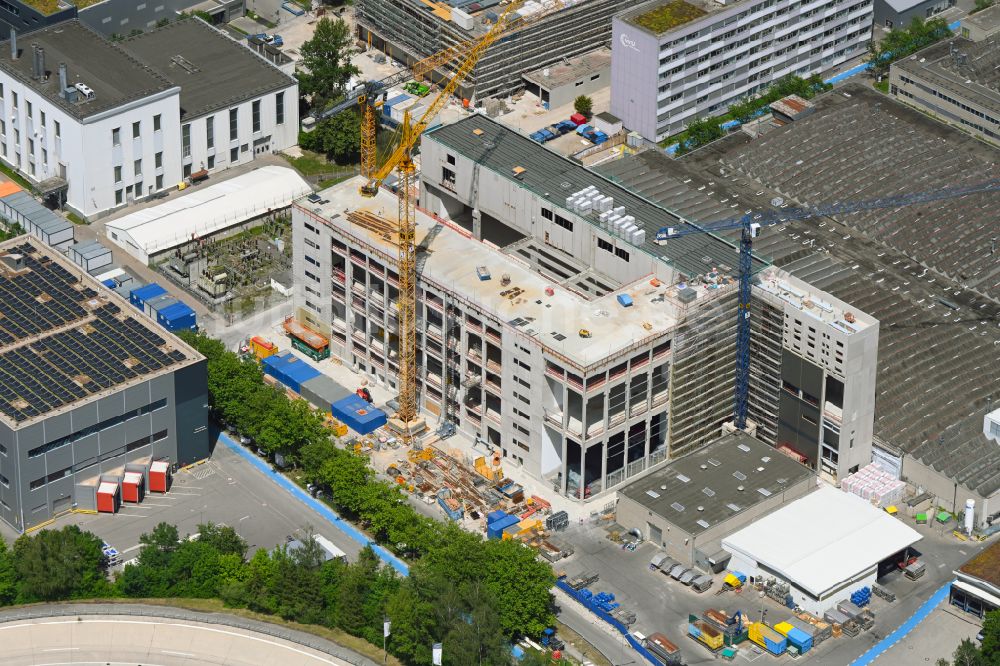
<point>750,226</point>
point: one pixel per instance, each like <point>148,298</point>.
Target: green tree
<point>991,638</point>
<point>584,106</point>
<point>743,110</point>
<point>413,626</point>
<point>901,42</point>
<point>338,137</point>
<point>519,584</point>
<point>60,564</point>
<point>967,654</point>
<point>326,62</point>
<point>223,539</point>
<point>982,4</point>
<point>8,575</point>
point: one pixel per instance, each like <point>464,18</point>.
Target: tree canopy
<point>901,42</point>
<point>584,106</point>
<point>326,62</point>
<point>337,137</point>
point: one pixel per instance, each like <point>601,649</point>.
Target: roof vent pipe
<point>35,73</point>
<point>13,44</point>
<point>40,56</point>
<point>62,77</point>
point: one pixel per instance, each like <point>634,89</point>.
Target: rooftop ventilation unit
<point>740,476</point>
<point>85,91</point>
<point>708,491</point>
<point>744,448</point>
<point>653,494</point>
<point>682,478</point>
<point>676,506</point>
<point>764,491</point>
<point>703,524</point>
<point>734,507</point>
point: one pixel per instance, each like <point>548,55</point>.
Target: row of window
<point>951,100</point>
<point>97,427</point>
<point>73,469</point>
<point>558,219</point>
<point>116,133</point>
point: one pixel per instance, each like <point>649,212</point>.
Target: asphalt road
<point>225,490</point>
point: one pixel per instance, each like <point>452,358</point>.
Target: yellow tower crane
<point>406,421</point>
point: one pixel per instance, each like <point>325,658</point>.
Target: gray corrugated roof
<point>213,71</point>
<point>554,177</point>
<point>115,76</point>
<point>42,217</point>
<point>727,468</point>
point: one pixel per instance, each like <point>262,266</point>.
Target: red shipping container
<point>578,118</point>
<point>159,476</point>
<point>133,488</point>
<point>108,497</point>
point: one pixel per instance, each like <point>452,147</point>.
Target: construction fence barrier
<point>621,628</point>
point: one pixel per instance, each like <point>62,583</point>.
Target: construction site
<point>544,33</point>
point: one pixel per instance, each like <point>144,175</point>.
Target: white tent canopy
<point>822,540</point>
<point>206,211</point>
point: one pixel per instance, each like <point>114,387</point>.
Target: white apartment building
<point>95,124</point>
<point>586,355</point>
<point>674,61</point>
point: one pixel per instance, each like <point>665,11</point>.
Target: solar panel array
<point>103,351</point>
<point>37,300</point>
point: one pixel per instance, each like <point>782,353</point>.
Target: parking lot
<point>224,490</point>
<point>663,604</point>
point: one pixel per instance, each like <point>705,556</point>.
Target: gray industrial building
<point>88,386</point>
<point>561,83</point>
<point>689,506</point>
<point>982,24</point>
<point>676,61</point>
<point>929,335</point>
<point>410,30</point>
<point>956,81</point>
<point>898,14</point>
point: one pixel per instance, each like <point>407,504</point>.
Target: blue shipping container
<point>800,639</point>
<point>289,370</point>
<point>495,530</point>
<point>109,283</point>
<point>176,317</point>
<point>358,415</point>
<point>153,305</point>
<point>625,300</point>
<point>494,516</point>
<point>140,295</point>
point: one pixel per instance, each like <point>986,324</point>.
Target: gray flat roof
<point>901,6</point>
<point>213,70</point>
<point>986,20</point>
<point>703,489</point>
<point>568,72</point>
<point>974,78</point>
<point>115,76</point>
<point>554,177</point>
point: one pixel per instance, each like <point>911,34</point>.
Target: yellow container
<point>733,581</point>
<point>783,628</point>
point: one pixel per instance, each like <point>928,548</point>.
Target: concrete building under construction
<point>551,32</point>
<point>582,350</point>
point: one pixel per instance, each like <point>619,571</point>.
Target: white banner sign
<point>436,651</point>
<point>385,628</point>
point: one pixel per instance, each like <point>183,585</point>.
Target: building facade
<point>898,14</point>
<point>544,375</point>
<point>955,81</point>
<point>96,124</point>
<point>976,589</point>
<point>408,32</point>
<point>74,421</point>
<point>673,63</point>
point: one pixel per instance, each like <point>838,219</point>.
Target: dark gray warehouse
<point>88,385</point>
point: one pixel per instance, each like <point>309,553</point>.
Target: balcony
<point>338,276</point>
<point>661,397</point>
<point>358,336</point>
<point>359,288</point>
<point>596,383</point>
<point>555,418</point>
<point>493,335</point>
<point>834,413</point>
<point>493,366</point>
<point>495,385</point>
<point>493,415</point>
<point>595,429</point>
<point>474,355</point>
<point>552,371</point>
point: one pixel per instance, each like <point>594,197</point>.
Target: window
<point>158,160</point>
<point>186,171</point>
<point>211,161</point>
<point>42,117</point>
<point>119,198</point>
<point>605,245</point>
<point>30,108</point>
<point>564,223</point>
<point>621,253</point>
<point>451,160</point>
<point>546,213</point>
<point>31,146</point>
<point>279,109</point>
<point>45,156</point>
<point>234,155</point>
<point>137,168</point>
<point>159,182</point>
<point>210,132</point>
<point>186,139</point>
<point>234,125</point>
<point>255,112</point>
<point>156,123</point>
<point>118,175</point>
<point>447,176</point>
<point>13,97</point>
<point>136,129</point>
<point>116,136</point>
<point>58,128</point>
<point>138,188</point>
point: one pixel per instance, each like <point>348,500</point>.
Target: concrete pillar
<point>477,224</point>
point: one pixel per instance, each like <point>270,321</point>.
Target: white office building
<point>674,61</point>
<point>95,125</point>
